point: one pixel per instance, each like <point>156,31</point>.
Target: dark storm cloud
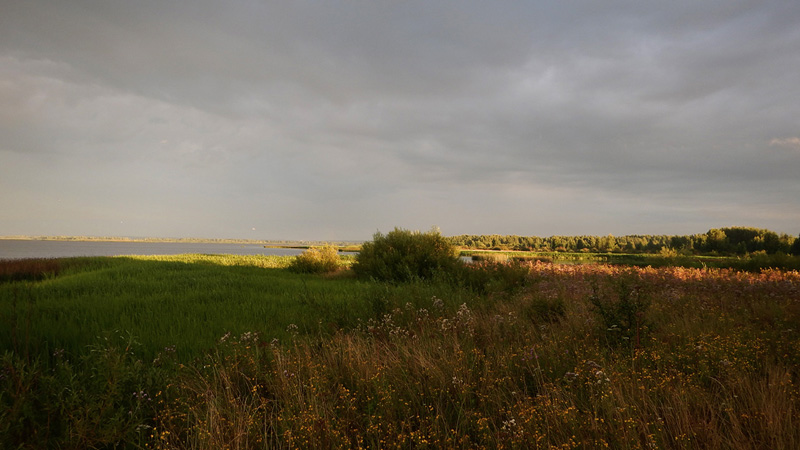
<point>644,117</point>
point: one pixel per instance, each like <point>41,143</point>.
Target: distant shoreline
<point>266,243</point>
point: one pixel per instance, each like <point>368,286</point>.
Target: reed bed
<point>28,269</point>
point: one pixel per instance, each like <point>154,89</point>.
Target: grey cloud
<point>406,111</point>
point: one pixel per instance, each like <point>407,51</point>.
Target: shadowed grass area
<point>28,269</point>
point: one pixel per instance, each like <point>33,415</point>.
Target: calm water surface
<point>16,249</point>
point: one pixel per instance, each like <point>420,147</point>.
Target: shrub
<point>622,312</point>
<point>316,260</point>
<point>403,255</point>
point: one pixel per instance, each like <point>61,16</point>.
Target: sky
<point>332,120</point>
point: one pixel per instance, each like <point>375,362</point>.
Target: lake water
<point>17,249</point>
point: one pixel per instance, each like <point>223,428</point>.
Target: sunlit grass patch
<point>262,261</point>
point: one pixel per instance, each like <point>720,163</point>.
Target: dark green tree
<point>795,248</point>
<point>717,241</point>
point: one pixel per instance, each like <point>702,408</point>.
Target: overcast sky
<point>332,120</point>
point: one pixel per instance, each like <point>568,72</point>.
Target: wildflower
<point>593,365</point>
<point>463,311</point>
<point>601,377</point>
<point>141,396</point>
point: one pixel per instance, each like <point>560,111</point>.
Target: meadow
<point>212,352</point>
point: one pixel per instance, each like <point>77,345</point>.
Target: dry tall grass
<point>710,359</point>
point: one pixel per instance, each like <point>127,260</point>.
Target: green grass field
<point>187,301</point>
<point>209,352</point>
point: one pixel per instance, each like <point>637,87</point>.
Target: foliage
<point>795,249</point>
<point>102,398</point>
<point>403,255</point>
<point>317,260</point>
<point>722,241</point>
<point>621,306</point>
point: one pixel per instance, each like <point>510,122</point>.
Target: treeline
<point>718,241</point>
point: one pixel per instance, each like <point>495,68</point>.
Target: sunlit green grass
<point>186,300</point>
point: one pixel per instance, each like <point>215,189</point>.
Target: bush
<point>403,255</point>
<point>622,313</point>
<point>316,260</point>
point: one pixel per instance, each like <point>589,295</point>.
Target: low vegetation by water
<point>29,269</point>
<point>241,352</point>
